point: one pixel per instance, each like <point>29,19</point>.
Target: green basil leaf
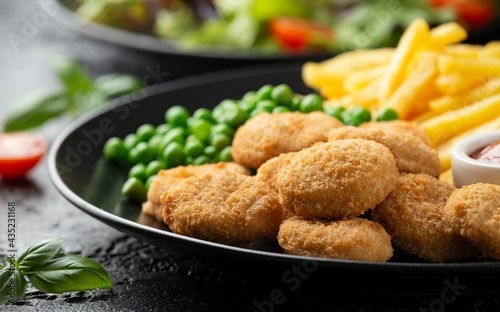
<point>35,109</point>
<point>39,253</point>
<point>113,85</point>
<point>12,285</point>
<point>84,102</point>
<point>74,76</point>
<point>69,273</point>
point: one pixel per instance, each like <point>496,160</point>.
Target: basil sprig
<point>80,94</point>
<point>50,272</point>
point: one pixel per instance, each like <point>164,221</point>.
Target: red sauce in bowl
<point>488,154</point>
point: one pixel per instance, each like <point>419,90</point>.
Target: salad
<point>293,27</point>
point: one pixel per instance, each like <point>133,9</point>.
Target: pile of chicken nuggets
<point>328,190</point>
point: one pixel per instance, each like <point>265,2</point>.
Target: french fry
<point>469,66</point>
<point>491,49</point>
<point>463,50</point>
<point>336,69</point>
<point>406,96</point>
<point>450,89</point>
<point>455,83</point>
<point>479,93</point>
<point>442,127</point>
<point>365,98</point>
<point>447,176</point>
<point>445,150</point>
<point>413,38</point>
<point>362,78</point>
<point>446,34</point>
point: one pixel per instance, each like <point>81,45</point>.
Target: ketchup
<point>489,154</point>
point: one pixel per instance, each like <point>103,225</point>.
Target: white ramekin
<point>467,170</point>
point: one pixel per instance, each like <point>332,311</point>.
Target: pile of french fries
<point>451,90</point>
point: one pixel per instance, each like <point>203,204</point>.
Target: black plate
<point>93,184</point>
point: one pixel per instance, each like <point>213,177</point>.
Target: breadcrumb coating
<point>411,154</point>
<point>413,214</point>
<point>270,168</point>
<point>166,179</point>
<point>223,207</point>
<point>401,126</point>
<point>355,239</point>
<point>474,212</point>
<point>269,135</point>
<point>338,179</point>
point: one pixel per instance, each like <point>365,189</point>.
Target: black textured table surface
<point>147,278</point>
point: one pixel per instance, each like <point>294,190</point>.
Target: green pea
<point>189,160</point>
<point>200,160</point>
<point>219,110</point>
<point>177,134</point>
<point>194,148</point>
<point>145,132</point>
<point>264,93</point>
<point>204,113</point>
<point>141,153</point>
<point>282,94</point>
<point>310,103</point>
<point>174,155</point>
<point>211,152</point>
<point>225,154</point>
<point>155,141</point>
<point>191,137</point>
<point>335,111</point>
<point>200,128</point>
<point>219,141</point>
<point>224,129</point>
<point>232,114</point>
<point>351,120</point>
<point>114,149</point>
<point>177,116</point>
<point>130,141</point>
<point>259,110</point>
<point>362,113</point>
<point>295,105</point>
<point>134,190</point>
<point>269,105</point>
<point>352,117</point>
<point>387,114</point>
<point>138,171</point>
<point>163,129</point>
<point>249,96</point>
<point>280,109</point>
<point>248,106</point>
<point>149,181</point>
<point>154,167</point>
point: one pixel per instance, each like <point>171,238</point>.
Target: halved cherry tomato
<point>474,13</point>
<point>19,153</point>
<point>296,34</point>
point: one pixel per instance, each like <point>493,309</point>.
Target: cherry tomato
<point>19,153</point>
<point>475,13</point>
<point>296,34</point>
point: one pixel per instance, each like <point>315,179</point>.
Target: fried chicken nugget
<point>413,214</point>
<point>474,212</point>
<point>402,126</point>
<point>270,168</point>
<point>338,179</point>
<point>223,207</point>
<point>166,179</point>
<point>355,239</point>
<point>410,153</point>
<point>269,135</point>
